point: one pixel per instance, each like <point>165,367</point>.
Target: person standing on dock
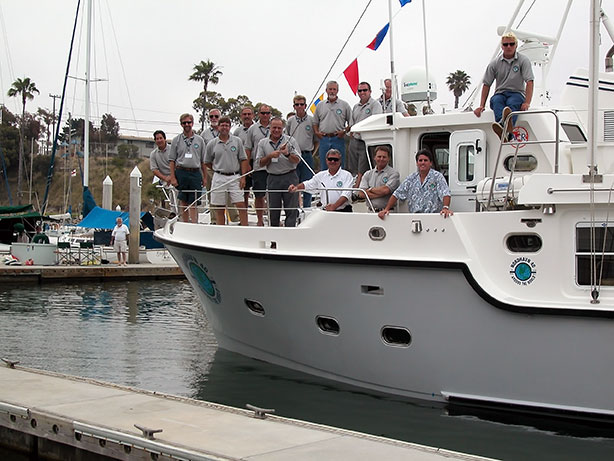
<point>300,127</point>
<point>119,240</point>
<point>256,132</point>
<point>358,162</point>
<point>330,122</point>
<point>40,236</point>
<point>186,160</point>
<point>514,90</point>
<point>280,154</point>
<point>334,184</point>
<point>226,157</point>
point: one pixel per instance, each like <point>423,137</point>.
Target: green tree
<point>458,82</point>
<point>26,89</point>
<point>206,72</point>
<point>46,117</point>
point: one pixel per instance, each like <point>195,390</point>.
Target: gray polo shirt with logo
<point>281,164</point>
<point>255,133</point>
<point>332,116</point>
<point>363,111</point>
<point>387,106</point>
<point>241,132</point>
<point>209,135</point>
<point>225,157</point>
<point>510,74</point>
<point>158,160</point>
<point>187,152</point>
<point>301,129</point>
<point>386,177</point>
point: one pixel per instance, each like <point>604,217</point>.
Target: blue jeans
<point>511,99</point>
<point>327,144</point>
<point>304,173</point>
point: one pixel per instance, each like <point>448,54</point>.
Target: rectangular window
<point>602,264</point>
<point>466,162</point>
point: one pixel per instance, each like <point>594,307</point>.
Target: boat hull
<point>463,344</point>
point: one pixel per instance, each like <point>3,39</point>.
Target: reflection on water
<point>153,335</point>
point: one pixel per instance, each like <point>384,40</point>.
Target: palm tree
<point>26,89</point>
<point>458,82</point>
<point>206,72</point>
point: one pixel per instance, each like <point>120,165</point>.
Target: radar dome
<point>414,87</point>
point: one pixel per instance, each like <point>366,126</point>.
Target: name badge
<point>188,155</point>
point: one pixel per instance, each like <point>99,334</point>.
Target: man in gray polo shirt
<point>159,165</point>
<point>226,156</point>
<point>380,182</point>
<point>247,120</point>
<point>300,127</point>
<point>330,122</point>
<point>186,161</point>
<point>214,120</point>
<point>256,132</point>
<point>279,154</point>
<point>514,90</point>
<point>358,162</point>
<point>385,101</point>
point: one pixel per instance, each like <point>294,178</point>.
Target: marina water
<point>153,335</point>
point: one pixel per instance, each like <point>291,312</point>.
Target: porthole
<point>254,307</point>
<point>523,163</point>
<point>523,243</point>
<point>396,336</point>
<point>327,325</point>
<point>377,233</point>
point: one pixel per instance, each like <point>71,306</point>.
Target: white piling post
<point>136,182</point>
<point>107,193</point>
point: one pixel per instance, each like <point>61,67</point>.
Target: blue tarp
<point>99,218</point>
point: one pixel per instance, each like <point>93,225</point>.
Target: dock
<point>63,273</point>
<point>52,416</point>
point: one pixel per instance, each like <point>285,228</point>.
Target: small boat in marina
<point>507,303</point>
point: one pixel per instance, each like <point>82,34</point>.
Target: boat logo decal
<point>339,183</point>
<point>205,282</point>
<point>521,135</point>
<point>233,149</point>
<point>516,68</point>
<point>339,111</point>
<point>195,145</point>
<point>385,180</point>
<point>307,128</point>
<point>522,271</point>
<point>368,111</point>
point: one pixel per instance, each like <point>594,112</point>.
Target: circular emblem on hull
<point>200,274</point>
<point>522,271</point>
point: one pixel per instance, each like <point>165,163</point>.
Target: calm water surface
<point>153,335</point>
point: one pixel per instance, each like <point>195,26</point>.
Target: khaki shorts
<point>225,184</point>
<point>121,246</point>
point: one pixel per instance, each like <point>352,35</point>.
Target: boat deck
<point>77,414</point>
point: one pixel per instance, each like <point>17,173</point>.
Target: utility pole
<point>54,96</point>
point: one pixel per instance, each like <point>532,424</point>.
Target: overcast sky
<point>267,49</point>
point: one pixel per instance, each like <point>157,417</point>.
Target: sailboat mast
<point>86,129</point>
<point>426,59</point>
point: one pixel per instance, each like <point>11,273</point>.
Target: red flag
<point>351,75</point>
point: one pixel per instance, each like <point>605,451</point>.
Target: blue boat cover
<point>99,218</point>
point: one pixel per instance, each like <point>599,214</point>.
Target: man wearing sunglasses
<point>300,127</point>
<point>186,162</point>
<point>357,152</point>
<point>334,184</point>
<point>514,89</point>
<point>256,132</point>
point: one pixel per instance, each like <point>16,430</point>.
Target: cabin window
<point>466,162</point>
<point>601,265</point>
<point>523,243</point>
<point>526,162</point>
<point>573,132</point>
